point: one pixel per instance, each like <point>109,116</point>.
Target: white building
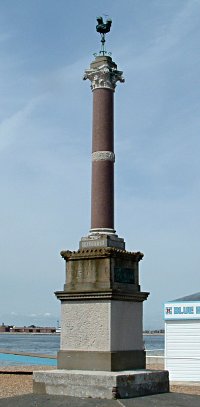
<point>182,338</point>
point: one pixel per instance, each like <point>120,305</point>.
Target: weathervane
<point>103,28</point>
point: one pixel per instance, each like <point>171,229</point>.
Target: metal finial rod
<point>103,40</point>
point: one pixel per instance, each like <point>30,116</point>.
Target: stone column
<point>103,75</point>
<point>102,202</point>
<point>101,347</point>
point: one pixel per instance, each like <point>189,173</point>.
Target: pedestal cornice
<point>100,252</point>
<point>102,295</point>
<point>102,274</point>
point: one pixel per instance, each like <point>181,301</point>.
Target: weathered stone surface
<point>101,270</point>
<point>104,326</point>
<point>101,335</point>
<point>106,385</point>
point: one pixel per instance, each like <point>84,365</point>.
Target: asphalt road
<point>158,400</point>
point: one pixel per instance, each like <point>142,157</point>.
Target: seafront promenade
<point>16,383</point>
<point>16,390</point>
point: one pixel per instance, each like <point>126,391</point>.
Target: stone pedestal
<point>101,311</point>
<point>101,352</point>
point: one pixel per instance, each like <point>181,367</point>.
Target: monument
<point>102,351</point>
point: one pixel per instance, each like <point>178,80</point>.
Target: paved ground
<point>159,400</point>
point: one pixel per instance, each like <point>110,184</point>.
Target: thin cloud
<point>183,23</point>
<point>10,127</point>
<point>167,38</point>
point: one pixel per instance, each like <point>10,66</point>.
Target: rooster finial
<point>103,28</point>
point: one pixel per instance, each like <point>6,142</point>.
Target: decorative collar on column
<point>103,156</point>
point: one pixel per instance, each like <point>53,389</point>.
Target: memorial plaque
<point>124,275</point>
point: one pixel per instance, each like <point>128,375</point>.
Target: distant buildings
<point>52,330</point>
<point>4,328</point>
<point>27,329</point>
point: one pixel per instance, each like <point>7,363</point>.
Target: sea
<point>47,345</point>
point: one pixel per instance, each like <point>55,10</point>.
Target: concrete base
<point>104,385</point>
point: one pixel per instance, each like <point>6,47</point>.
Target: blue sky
<point>45,146</point>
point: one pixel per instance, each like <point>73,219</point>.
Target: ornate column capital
<point>104,76</point>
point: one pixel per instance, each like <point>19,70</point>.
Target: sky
<point>45,146</point>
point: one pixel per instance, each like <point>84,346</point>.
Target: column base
<point>103,239</point>
<point>102,231</point>
<point>107,361</point>
<point>103,385</point>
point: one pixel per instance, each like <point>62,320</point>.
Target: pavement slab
<point>158,400</point>
<point>163,400</point>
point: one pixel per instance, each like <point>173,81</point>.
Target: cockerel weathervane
<point>103,28</point>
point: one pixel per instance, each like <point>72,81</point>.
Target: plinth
<point>102,351</point>
<point>104,385</point>
<point>101,325</point>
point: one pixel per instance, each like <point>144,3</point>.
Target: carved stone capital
<point>103,156</point>
<point>104,76</point>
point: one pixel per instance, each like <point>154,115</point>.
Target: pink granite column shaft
<point>102,201</point>
<point>103,75</point>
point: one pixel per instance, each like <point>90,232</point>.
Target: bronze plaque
<point>124,275</point>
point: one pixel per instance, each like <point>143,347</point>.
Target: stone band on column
<point>103,156</point>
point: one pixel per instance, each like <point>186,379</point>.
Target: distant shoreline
<point>35,355</point>
<point>29,333</point>
<point>58,333</point>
